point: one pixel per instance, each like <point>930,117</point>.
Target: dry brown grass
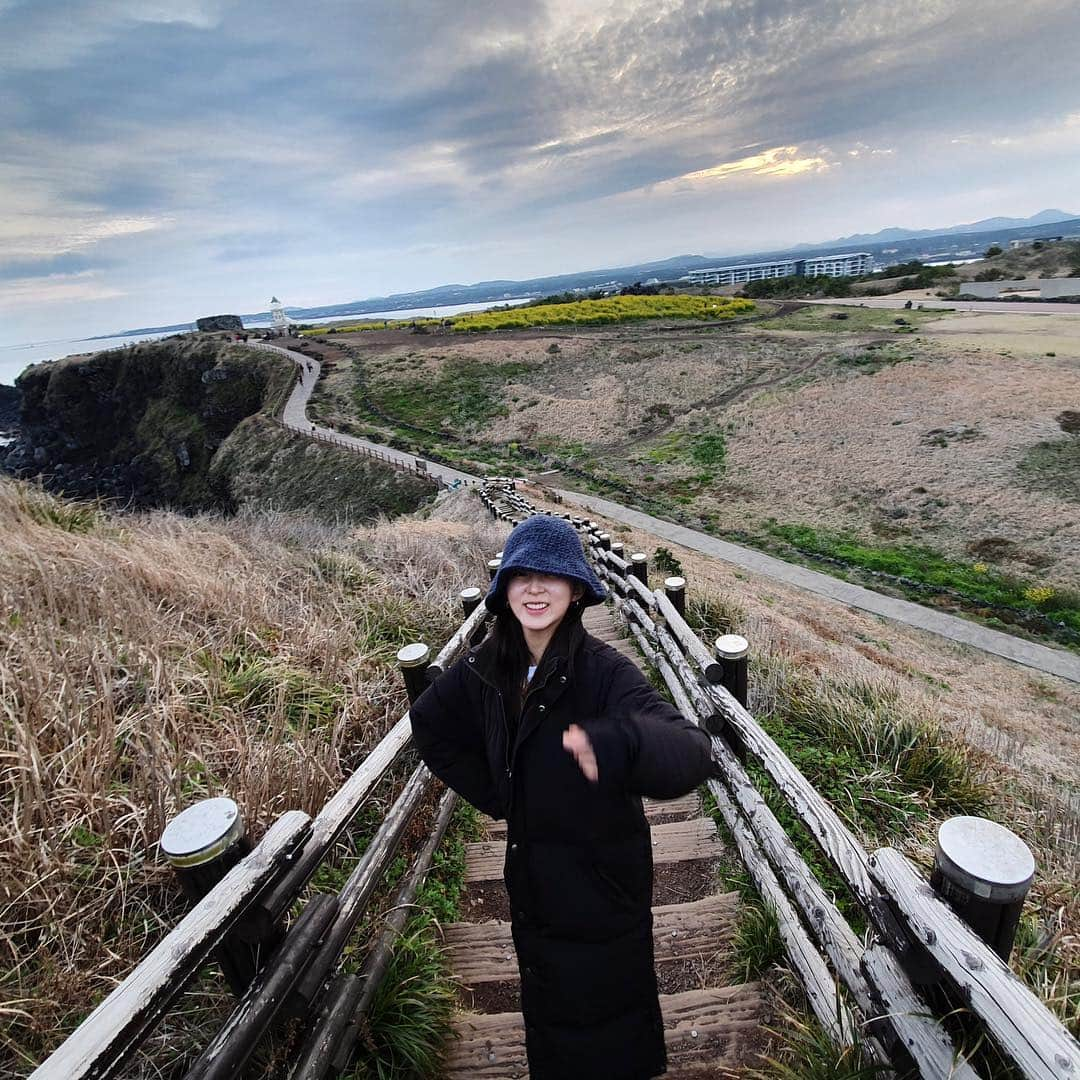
<point>149,661</point>
<point>931,448</point>
<point>1020,726</point>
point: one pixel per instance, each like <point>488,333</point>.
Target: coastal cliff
<point>162,424</point>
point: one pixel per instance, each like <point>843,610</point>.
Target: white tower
<point>278,319</point>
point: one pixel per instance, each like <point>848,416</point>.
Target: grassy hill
<point>187,423</point>
<point>151,660</point>
<point>254,657</point>
<point>914,451</point>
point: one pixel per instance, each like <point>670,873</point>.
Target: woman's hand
<point>576,742</point>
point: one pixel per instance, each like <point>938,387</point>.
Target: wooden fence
<point>891,990</point>
<point>885,989</point>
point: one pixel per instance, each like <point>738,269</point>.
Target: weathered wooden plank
<point>826,826</point>
<point>359,887</point>
<point>691,687</point>
<point>913,1020</point>
<point>492,1046</point>
<point>687,639</point>
<point>484,952</point>
<point>458,642</point>
<point>100,1044</point>
<point>1019,1022</point>
<point>230,1049</point>
<point>341,808</point>
<point>672,842</point>
<point>834,935</point>
<point>817,981</point>
<point>638,591</point>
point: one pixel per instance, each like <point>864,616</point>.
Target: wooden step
<point>714,1028</point>
<point>484,952</point>
<point>672,842</point>
<point>656,811</point>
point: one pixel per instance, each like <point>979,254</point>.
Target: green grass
<point>974,583</point>
<point>686,448</point>
<point>870,755</point>
<point>807,1052</point>
<point>817,317</point>
<point>465,396</point>
<point>757,944</point>
<point>59,513</point>
<point>872,360</point>
<point>256,684</point>
<point>445,885</point>
<point>409,1021</point>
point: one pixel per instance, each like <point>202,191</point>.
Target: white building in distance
<point>846,265</point>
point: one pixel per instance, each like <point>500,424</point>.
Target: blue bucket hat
<point>545,545</point>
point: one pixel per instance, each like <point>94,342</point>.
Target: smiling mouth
<point>536,607</point>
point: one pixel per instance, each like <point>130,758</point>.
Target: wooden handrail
<point>1019,1022</point>
<point>101,1044</point>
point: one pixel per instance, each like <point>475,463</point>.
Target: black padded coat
<point>578,859</point>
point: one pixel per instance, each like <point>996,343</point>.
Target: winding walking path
<point>1029,653</point>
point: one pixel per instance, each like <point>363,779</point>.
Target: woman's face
<point>539,601</point>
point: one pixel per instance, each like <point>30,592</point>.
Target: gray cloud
<point>189,133</point>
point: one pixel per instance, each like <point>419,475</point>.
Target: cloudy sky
<point>163,159</point>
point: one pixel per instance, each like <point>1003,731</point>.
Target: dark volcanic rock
<point>9,409</point>
<point>220,322</point>
<point>140,424</point>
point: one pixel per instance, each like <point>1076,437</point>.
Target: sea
<point>15,358</point>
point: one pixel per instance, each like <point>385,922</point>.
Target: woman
<point>557,732</point>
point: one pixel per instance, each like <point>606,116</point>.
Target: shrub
<point>666,563</point>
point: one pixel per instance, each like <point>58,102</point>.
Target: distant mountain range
<point>884,236</point>
<point>888,246</point>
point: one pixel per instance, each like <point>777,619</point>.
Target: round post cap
<point>498,554</point>
<point>674,583</point>
<point>471,593</point>
<point>639,556</point>
<point>493,564</point>
<point>202,832</point>
<point>732,647</point>
<point>413,655</point>
<point>985,858</point>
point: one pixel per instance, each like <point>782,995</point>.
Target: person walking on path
<point>546,726</point>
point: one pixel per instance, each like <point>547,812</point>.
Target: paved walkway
<point>1040,657</point>
<point>294,416</point>
<point>996,307</point>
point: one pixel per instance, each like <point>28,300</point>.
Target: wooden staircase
<point>713,1028</point>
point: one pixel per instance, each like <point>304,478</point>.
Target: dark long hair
<point>512,660</point>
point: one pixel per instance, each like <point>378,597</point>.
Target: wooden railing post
<point>202,844</point>
<point>731,651</point>
<point>470,600</point>
<point>639,566</point>
<point>413,661</point>
<point>617,548</point>
<point>983,871</point>
<point>675,588</point>
<point>493,568</point>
